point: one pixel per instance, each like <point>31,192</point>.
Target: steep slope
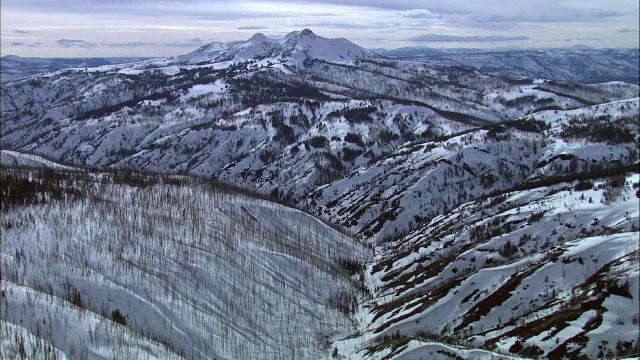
<point>130,266</point>
<point>307,45</point>
<point>550,271</point>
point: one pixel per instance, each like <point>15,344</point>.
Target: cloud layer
<point>464,39</point>
<point>163,27</point>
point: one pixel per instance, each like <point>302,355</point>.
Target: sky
<point>85,28</point>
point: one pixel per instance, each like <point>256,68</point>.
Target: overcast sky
<point>72,28</point>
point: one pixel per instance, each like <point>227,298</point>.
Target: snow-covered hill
<point>9,159</point>
<point>128,265</point>
<point>424,179</point>
<point>550,271</point>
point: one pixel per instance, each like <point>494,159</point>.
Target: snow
<point>217,87</point>
<point>18,342</point>
<point>70,331</point>
<point>132,71</point>
<point>10,158</point>
<point>416,350</point>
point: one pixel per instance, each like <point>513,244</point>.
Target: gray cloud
<point>502,10</point>
<point>147,10</point>
<point>499,14</point>
<point>545,16</point>
<point>382,4</point>
<point>189,43</point>
<point>454,38</point>
<point>129,44</point>
<point>554,9</point>
<point>26,45</point>
<point>486,13</point>
<point>574,40</point>
<point>161,27</point>
<point>77,43</point>
<point>338,25</point>
<point>420,14</point>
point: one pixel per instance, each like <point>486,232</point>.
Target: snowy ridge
<point>215,46</point>
<point>424,179</point>
<point>254,122</point>
<point>16,67</point>
<point>10,158</point>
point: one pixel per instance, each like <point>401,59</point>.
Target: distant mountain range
<point>584,65</point>
<point>15,67</point>
<point>576,64</point>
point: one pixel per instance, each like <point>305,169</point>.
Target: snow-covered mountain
<point>287,114</point>
<point>454,177</point>
<point>295,47</point>
<point>14,159</point>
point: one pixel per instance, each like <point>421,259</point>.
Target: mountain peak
<point>260,38</point>
<point>210,47</point>
<point>296,46</point>
<point>298,34</point>
<point>307,32</point>
<point>307,45</point>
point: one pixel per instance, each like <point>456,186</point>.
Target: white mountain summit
<point>295,47</point>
